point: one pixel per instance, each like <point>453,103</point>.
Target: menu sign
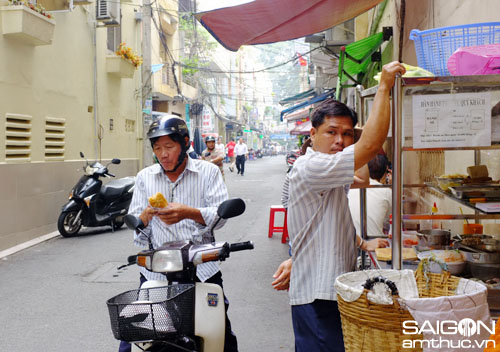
<point>452,120</point>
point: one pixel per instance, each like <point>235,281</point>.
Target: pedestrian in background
<point>220,146</point>
<point>230,153</point>
<point>241,152</point>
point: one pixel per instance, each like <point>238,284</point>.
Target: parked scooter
<point>93,204</point>
<point>178,314</point>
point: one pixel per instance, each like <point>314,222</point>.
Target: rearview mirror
<point>81,155</point>
<point>115,161</point>
<point>133,222</point>
<point>231,208</point>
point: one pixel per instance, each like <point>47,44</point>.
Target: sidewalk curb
<point>28,244</point>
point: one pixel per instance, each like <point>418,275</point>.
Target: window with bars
<point>165,74</point>
<point>114,37</point>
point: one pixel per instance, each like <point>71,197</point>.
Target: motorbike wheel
<point>65,224</point>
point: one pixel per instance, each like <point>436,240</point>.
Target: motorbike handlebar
<point>241,246</point>
<point>110,174</point>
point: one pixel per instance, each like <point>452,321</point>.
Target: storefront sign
<point>206,121</point>
<point>452,120</point>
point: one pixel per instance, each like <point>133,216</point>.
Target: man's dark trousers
<point>317,327</point>
<point>240,164</point>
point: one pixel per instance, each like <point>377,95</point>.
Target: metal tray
<point>486,191</point>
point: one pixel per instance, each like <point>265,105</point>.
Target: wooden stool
<point>281,229</point>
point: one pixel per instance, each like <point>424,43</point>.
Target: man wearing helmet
<point>193,188</point>
<point>212,154</point>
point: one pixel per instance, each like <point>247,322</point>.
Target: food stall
<point>445,138</point>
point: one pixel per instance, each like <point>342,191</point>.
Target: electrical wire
<point>295,57</point>
<point>211,73</point>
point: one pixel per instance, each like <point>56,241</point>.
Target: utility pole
<point>147,98</point>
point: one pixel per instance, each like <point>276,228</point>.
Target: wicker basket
<point>368,326</point>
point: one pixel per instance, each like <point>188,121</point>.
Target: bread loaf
<point>158,201</point>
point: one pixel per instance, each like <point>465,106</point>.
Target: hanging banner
<point>452,120</point>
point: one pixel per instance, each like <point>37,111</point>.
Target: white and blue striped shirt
<point>199,186</point>
<point>320,227</point>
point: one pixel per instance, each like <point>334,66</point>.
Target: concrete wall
<point>55,82</point>
<point>32,194</point>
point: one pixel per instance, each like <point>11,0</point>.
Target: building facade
<point>63,90</point>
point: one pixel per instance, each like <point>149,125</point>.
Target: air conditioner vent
<point>54,138</point>
<point>17,137</point>
<point>108,12</point>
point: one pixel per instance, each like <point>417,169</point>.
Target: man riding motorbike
<point>212,154</point>
<point>193,188</point>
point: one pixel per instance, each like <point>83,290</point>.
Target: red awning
<point>269,21</point>
<point>303,128</point>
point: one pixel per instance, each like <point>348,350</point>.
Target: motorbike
<point>291,156</point>
<point>93,204</point>
<point>178,313</point>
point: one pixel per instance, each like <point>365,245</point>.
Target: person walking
<point>241,152</point>
<point>230,153</point>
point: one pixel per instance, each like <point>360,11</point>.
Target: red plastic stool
<point>281,229</point>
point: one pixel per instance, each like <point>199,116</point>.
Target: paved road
<point>54,294</point>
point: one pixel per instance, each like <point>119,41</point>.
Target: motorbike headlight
<point>166,261</point>
<point>89,170</point>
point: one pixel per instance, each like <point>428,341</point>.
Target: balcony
<point>21,23</point>
<point>119,67</point>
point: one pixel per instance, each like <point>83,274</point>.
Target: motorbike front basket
<point>153,313</point>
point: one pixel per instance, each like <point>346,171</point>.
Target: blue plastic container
<point>435,46</point>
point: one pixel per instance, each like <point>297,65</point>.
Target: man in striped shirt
<point>193,188</point>
<point>320,228</point>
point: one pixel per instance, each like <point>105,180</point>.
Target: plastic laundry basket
<point>434,46</point>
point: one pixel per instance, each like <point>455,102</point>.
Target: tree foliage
<point>286,79</point>
<point>198,45</point>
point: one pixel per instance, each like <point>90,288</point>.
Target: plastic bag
<point>475,60</point>
<point>411,71</point>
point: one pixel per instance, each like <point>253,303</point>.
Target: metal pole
<point>96,95</point>
<point>147,97</point>
<point>397,177</point>
<point>362,210</point>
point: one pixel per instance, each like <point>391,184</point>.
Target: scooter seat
<point>116,188</point>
